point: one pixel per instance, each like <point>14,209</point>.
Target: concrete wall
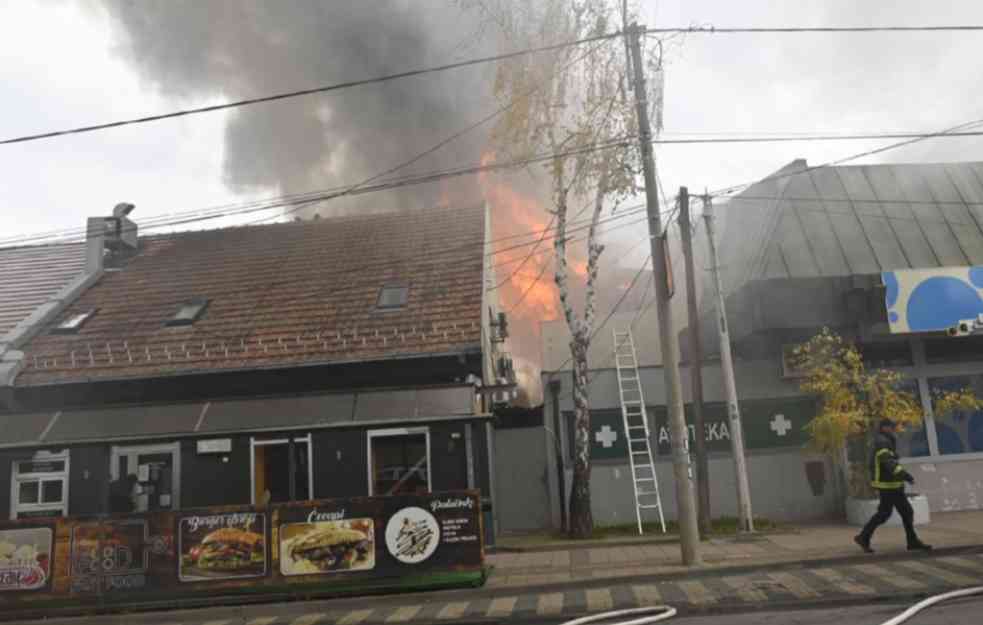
<point>780,489</point>
<point>523,496</point>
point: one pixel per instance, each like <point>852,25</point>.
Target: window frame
<point>199,303</point>
<point>392,433</point>
<point>118,451</point>
<point>403,300</point>
<point>17,479</point>
<point>63,326</point>
<point>255,442</point>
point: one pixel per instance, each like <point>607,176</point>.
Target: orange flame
<point>519,220</point>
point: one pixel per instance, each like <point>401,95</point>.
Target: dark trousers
<point>892,500</point>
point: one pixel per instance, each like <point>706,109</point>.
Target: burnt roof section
<point>853,220</point>
<point>279,295</point>
<point>31,276</point>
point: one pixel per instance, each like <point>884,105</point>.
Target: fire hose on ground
<point>659,613</point>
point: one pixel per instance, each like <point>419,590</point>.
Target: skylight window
<point>74,322</point>
<point>188,312</point>
<point>393,297</point>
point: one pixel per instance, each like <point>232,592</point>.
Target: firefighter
<point>888,478</point>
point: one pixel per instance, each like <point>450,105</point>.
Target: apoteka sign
<point>412,535</point>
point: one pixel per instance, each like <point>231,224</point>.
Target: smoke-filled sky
<point>66,63</point>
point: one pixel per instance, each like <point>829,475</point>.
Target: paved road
<point>965,612</point>
<point>720,593</point>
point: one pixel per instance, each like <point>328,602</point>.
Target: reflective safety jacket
<point>887,473</point>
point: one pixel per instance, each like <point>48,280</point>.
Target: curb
<point>716,571</point>
<point>573,545</point>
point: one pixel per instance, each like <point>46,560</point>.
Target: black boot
<point>918,545</point>
<point>864,543</point>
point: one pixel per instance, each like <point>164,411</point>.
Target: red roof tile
<point>31,276</point>
<point>279,295</point>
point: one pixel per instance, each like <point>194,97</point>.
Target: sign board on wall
<point>768,423</point>
<point>932,300</point>
<point>246,548</point>
<point>215,446</point>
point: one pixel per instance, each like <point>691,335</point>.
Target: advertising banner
<point>246,548</point>
<point>25,558</point>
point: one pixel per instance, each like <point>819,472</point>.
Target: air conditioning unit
<point>789,370</point>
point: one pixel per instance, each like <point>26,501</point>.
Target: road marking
<point>965,563</point>
<point>502,606</point>
<point>646,595</point>
<point>745,590</point>
<point>697,593</point>
<point>599,600</point>
<point>550,604</point>
<point>354,617</point>
<point>263,620</point>
<point>898,581</point>
<point>836,579</point>
<point>405,613</point>
<point>453,610</point>
<point>933,571</point>
<point>794,585</point>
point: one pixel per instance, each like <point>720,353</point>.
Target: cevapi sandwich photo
<point>228,549</point>
<point>333,548</point>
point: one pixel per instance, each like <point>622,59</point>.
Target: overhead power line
<point>303,92</point>
<point>303,199</point>
<point>709,29</point>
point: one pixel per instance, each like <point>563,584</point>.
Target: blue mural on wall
<point>928,300</point>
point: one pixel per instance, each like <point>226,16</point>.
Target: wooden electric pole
<point>689,535</point>
<point>695,367</point>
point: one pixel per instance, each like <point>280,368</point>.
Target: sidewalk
<point>814,565</point>
<point>811,542</point>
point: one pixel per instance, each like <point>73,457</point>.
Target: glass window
<point>393,296</point>
<point>960,431</point>
<point>399,464</point>
<point>51,491</point>
<point>188,312</point>
<point>28,492</point>
<point>913,439</point>
<point>74,322</point>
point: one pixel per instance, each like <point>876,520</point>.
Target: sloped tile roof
<point>30,276</point>
<point>279,295</point>
<point>853,220</point>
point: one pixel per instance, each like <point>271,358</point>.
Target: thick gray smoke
<point>236,49</point>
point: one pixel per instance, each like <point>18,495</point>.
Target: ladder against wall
<point>645,484</point>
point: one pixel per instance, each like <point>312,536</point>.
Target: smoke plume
<point>203,51</point>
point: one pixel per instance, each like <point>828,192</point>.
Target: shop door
<point>151,474</point>
<point>281,470</point>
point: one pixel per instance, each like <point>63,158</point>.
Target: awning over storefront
<point>247,415</point>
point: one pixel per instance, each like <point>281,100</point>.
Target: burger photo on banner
<point>412,535</point>
<point>327,547</point>
<point>25,558</point>
<point>222,546</point>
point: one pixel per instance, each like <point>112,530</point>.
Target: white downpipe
<point>927,603</point>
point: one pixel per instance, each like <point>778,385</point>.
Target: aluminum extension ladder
<point>644,481</point>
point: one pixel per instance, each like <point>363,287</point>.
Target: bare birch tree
<point>572,103</point>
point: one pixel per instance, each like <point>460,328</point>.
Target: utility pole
<point>745,517</point>
<point>695,367</point>
<point>683,472</point>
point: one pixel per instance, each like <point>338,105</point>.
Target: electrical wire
<point>713,30</point>
<point>620,142</point>
<point>303,92</point>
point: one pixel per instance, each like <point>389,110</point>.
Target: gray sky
<point>65,64</point>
